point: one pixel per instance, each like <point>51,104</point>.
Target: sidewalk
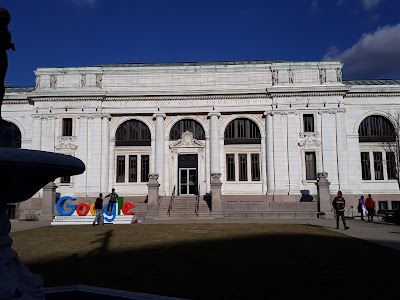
<point>379,233</point>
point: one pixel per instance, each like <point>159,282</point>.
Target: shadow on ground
<point>274,266</point>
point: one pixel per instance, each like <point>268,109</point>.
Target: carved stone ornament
<point>187,141</point>
<point>83,80</point>
<point>53,81</point>
<point>274,77</point>
<point>37,82</point>
<point>291,76</point>
<point>99,79</point>
<point>66,142</point>
<point>153,177</point>
<point>322,75</point>
<point>339,75</point>
<point>309,140</point>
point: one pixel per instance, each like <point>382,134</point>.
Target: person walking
<point>361,207</point>
<point>370,205</point>
<point>113,199</point>
<point>339,204</point>
<point>98,206</point>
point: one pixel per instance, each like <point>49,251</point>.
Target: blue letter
<point>110,214</point>
<point>60,206</point>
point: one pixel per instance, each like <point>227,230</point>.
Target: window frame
<point>67,131</point>
<point>313,172</point>
<point>242,131</point>
<point>230,167</point>
<point>305,116</point>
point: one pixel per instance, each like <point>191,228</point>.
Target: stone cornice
<point>372,95</point>
<point>9,101</point>
<point>307,91</point>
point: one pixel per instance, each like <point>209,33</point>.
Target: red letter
<point>126,207</point>
<point>82,209</point>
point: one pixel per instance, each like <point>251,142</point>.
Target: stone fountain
<point>22,173</point>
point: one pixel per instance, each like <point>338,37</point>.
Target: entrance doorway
<point>187,181</point>
<point>187,174</point>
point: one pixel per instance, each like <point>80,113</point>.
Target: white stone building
<point>267,127</point>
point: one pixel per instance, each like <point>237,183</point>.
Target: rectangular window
<point>145,160</point>
<point>365,166</point>
<point>67,127</point>
<point>383,205</point>
<point>391,165</point>
<point>230,167</point>
<point>132,168</point>
<point>242,167</point>
<point>378,165</point>
<point>255,167</point>
<point>65,179</point>
<point>120,169</point>
<point>308,121</point>
<point>395,204</point>
<point>311,166</point>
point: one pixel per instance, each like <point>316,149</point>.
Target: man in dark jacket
<point>98,206</point>
<point>113,199</point>
<point>339,204</point>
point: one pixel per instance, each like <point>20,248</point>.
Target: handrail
<point>171,201</point>
<point>197,203</point>
<point>352,213</point>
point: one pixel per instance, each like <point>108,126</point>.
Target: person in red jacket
<point>339,204</point>
<point>370,206</point>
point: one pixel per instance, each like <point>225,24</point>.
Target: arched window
<point>133,133</point>
<point>187,125</point>
<point>376,129</point>
<point>242,131</point>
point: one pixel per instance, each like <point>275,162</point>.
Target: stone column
<point>159,160</point>
<point>324,198</point>
<point>105,153</point>
<point>48,201</point>
<point>263,166</point>
<point>214,142</point>
<point>208,170</point>
<point>82,154</point>
<point>152,195</point>
<point>342,151</point>
<point>270,153</point>
<point>216,204</point>
<point>36,132</point>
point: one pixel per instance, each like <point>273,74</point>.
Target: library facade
<point>254,136</point>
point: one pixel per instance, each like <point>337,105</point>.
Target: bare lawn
<point>213,261</point>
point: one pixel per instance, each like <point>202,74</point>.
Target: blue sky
<point>363,34</point>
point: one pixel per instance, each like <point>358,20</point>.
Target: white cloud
<point>370,4</point>
<point>374,55</point>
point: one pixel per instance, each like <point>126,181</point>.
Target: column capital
<point>214,113</point>
<point>106,116</point>
<point>159,114</point>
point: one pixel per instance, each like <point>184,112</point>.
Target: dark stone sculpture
<point>5,44</point>
<point>22,173</point>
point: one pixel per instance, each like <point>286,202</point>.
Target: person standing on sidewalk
<point>113,199</point>
<point>370,205</point>
<point>98,206</point>
<point>339,204</point>
<point>361,207</point>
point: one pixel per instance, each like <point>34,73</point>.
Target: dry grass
<point>212,261</point>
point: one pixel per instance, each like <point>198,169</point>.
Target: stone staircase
<point>183,207</point>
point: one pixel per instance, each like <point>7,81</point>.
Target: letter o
<point>92,210</point>
<point>82,209</point>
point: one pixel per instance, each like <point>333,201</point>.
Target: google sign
<point>83,209</point>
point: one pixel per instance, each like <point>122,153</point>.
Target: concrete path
<point>379,233</point>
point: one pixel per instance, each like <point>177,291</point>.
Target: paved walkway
<point>380,233</point>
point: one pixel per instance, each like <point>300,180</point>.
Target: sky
<point>363,34</point>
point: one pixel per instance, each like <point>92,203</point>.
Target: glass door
<point>187,181</point>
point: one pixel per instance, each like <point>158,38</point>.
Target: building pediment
<point>187,141</point>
